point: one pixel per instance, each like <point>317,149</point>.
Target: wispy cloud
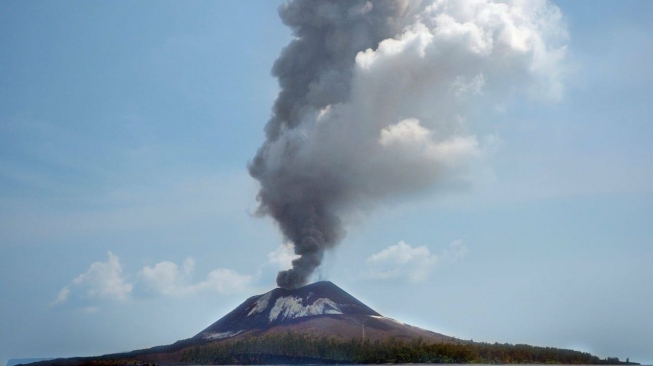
<point>167,279</point>
<point>456,250</point>
<point>405,262</point>
<point>401,261</point>
<point>224,281</point>
<point>283,256</point>
<point>103,280</point>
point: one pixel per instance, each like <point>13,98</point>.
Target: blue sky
<point>126,128</point>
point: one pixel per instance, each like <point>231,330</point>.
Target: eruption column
<point>373,100</point>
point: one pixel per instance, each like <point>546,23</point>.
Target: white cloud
<point>283,256</point>
<point>415,264</point>
<point>189,266</point>
<point>103,280</point>
<point>164,278</point>
<point>457,250</point>
<point>401,261</point>
<point>62,296</point>
<point>167,279</point>
<point>224,281</point>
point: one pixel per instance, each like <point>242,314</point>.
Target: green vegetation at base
<point>302,348</point>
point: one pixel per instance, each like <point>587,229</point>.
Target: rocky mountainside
<point>285,307</point>
<point>321,308</point>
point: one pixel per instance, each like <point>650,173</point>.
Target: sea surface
<point>425,364</point>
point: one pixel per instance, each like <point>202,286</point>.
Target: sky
<point>128,217</point>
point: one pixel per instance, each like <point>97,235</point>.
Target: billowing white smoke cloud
<point>374,101</point>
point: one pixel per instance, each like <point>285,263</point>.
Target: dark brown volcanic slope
<point>321,323</point>
<point>321,309</point>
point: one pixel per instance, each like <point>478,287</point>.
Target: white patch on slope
<point>398,322</point>
<point>291,307</point>
<point>261,304</point>
<point>221,335</point>
<point>386,318</point>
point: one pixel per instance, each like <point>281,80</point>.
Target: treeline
<point>301,348</point>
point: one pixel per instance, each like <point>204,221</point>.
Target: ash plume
<point>373,102</point>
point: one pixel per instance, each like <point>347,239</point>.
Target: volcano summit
<point>321,309</point>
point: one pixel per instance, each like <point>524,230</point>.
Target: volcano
<point>322,324</point>
<point>319,309</point>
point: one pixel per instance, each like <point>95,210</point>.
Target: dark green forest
<point>302,348</point>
